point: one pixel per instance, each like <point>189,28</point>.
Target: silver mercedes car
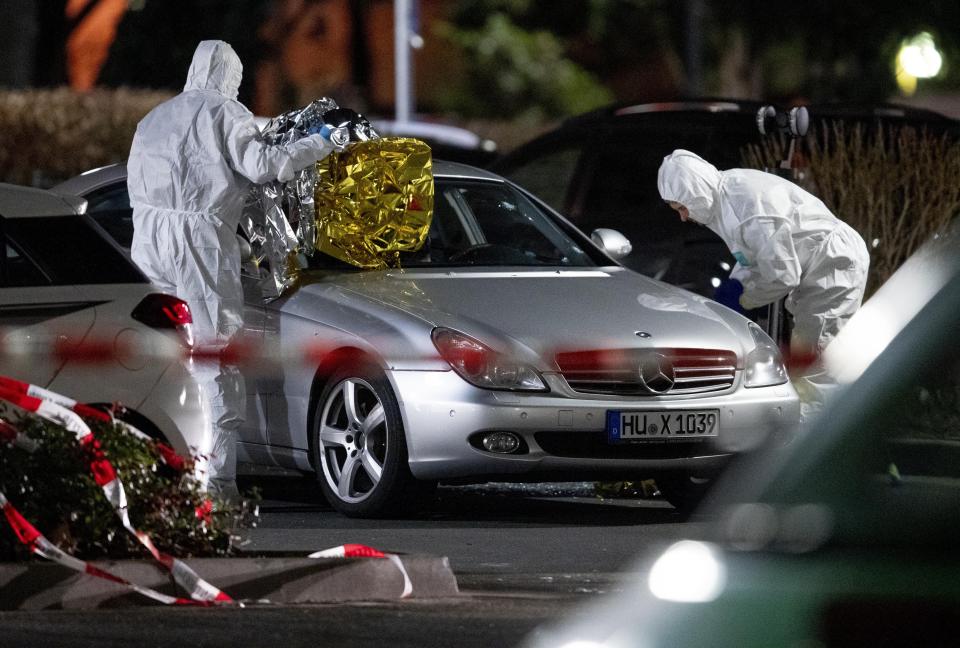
<point>511,348</point>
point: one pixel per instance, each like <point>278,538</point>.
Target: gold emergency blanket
<point>374,201</point>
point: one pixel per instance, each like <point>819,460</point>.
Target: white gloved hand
<point>338,136</point>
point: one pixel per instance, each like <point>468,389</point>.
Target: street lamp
<point>405,36</point>
<point>918,58</point>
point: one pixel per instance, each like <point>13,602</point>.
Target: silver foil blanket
<point>279,218</point>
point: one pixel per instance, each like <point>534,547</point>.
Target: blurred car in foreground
<point>65,285</point>
<point>510,347</point>
<point>847,536</point>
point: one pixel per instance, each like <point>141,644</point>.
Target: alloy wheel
<point>352,440</point>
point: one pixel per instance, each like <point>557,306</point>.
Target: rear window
<point>549,175</point>
<point>59,251</point>
<point>110,208</point>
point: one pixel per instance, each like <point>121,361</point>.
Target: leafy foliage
<point>515,72</point>
<point>53,488</point>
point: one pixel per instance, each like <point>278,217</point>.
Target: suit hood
<point>688,179</point>
<point>215,67</point>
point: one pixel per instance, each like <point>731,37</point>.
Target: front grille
<point>617,372</point>
<point>594,445</point>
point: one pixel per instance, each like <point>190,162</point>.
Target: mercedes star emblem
<point>656,373</point>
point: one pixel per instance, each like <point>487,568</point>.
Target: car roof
<point>827,110</point>
<point>93,179</point>
<point>442,168</point>
<point>24,202</point>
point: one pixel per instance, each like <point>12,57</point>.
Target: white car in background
<point>511,347</point>
<point>78,318</point>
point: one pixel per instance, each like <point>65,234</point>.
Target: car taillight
<point>166,312</point>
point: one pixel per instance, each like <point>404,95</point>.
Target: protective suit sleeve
<point>773,268</point>
<point>260,162</point>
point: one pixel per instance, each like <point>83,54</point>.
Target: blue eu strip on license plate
<point>652,425</point>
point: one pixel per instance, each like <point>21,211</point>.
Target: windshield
<point>489,224</point>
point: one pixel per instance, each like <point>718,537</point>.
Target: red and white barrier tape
<point>363,551</point>
<point>106,477</point>
<point>100,351</point>
<point>167,453</point>
<point>39,545</point>
<point>65,412</point>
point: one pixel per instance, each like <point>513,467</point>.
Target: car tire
<point>683,490</point>
<point>359,447</point>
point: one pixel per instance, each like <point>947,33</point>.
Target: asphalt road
<point>493,529</point>
<point>523,556</point>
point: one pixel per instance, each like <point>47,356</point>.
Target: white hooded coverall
<point>785,240</point>
<point>786,243</point>
<point>191,164</point>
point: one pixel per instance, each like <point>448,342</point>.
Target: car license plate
<point>661,426</point>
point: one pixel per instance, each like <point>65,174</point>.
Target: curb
<point>43,586</point>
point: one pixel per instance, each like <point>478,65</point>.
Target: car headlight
<point>764,365</point>
<point>480,365</point>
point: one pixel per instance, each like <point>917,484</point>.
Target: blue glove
<point>338,136</point>
<point>728,293</point>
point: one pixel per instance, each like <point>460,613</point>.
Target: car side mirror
<point>615,244</point>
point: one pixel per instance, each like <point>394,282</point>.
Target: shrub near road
<point>53,488</point>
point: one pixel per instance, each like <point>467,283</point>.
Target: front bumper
<point>564,431</point>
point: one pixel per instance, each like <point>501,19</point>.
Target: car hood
<point>551,310</point>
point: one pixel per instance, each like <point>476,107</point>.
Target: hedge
<point>47,136</point>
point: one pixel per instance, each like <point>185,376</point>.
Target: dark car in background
<point>600,170</point>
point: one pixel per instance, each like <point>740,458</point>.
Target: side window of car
<point>110,198</point>
<point>68,250</point>
<point>20,271</point>
<point>549,176</point>
<point>618,190</point>
<point>110,208</point>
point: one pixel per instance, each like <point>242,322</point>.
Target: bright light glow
<point>875,243</point>
<point>715,282</point>
<point>875,325</point>
<point>864,338</point>
<point>919,57</point>
<point>688,572</point>
<point>725,266</point>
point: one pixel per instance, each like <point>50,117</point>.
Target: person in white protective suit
<point>786,243</point>
<point>191,164</point>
